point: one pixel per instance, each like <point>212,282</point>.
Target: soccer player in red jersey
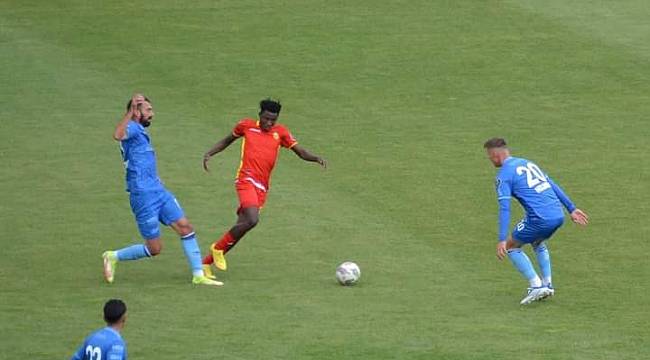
<point>261,143</point>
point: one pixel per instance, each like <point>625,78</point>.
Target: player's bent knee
<point>512,244</point>
<point>250,219</point>
<point>251,222</point>
<point>183,227</point>
<point>154,247</point>
<point>186,229</point>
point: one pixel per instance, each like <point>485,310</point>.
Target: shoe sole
<point>217,283</point>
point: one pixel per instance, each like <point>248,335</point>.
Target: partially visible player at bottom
<point>542,199</point>
<point>106,343</point>
<point>261,142</point>
<point>151,202</point>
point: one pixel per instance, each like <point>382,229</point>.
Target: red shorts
<point>249,195</point>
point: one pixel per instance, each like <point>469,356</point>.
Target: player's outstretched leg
<point>133,252</point>
<point>246,221</point>
<point>544,261</point>
<point>523,264</point>
<point>192,252</point>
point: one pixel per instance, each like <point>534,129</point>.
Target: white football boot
<point>536,294</point>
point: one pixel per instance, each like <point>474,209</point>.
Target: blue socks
<point>544,261</point>
<point>133,252</point>
<point>190,247</point>
<point>193,253</point>
<point>522,263</point>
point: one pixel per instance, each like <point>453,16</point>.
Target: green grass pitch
<point>399,97</point>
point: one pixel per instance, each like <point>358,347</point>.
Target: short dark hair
<point>495,143</point>
<point>270,105</point>
<point>114,309</point>
<point>128,105</point>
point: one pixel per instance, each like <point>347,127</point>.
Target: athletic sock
<point>192,252</point>
<point>225,244</point>
<point>133,252</point>
<point>208,259</point>
<point>544,261</point>
<point>522,263</point>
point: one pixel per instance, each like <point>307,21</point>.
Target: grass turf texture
<point>398,96</point>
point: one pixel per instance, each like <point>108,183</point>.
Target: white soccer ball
<point>348,273</point>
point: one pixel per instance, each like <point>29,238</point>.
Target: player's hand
<point>501,250</point>
<point>136,100</point>
<point>322,162</point>
<point>579,217</point>
<point>206,158</point>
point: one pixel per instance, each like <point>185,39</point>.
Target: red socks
<point>225,243</point>
<point>208,259</point>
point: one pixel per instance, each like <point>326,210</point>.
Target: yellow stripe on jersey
<point>241,157</point>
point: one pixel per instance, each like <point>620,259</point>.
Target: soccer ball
<point>348,273</point>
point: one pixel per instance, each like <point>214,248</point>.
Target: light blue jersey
<point>150,201</point>
<point>540,197</point>
<point>103,344</point>
<point>139,160</point>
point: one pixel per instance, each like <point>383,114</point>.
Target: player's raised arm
<point>120,129</point>
<point>307,156</point>
<point>217,148</point>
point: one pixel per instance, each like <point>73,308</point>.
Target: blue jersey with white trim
<point>139,160</point>
<point>103,344</point>
<point>526,182</point>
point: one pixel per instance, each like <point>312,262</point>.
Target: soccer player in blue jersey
<point>542,199</point>
<point>151,202</point>
<point>106,343</point>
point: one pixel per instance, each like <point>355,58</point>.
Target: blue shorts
<point>530,230</point>
<point>152,208</point>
